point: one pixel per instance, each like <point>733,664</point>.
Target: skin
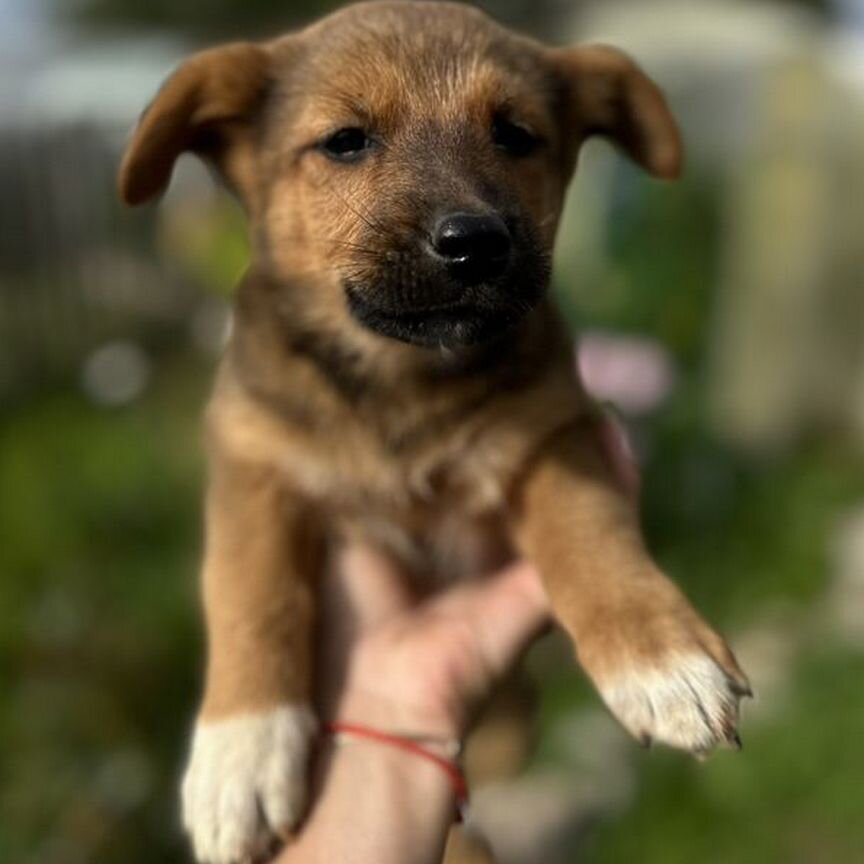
<point>417,666</point>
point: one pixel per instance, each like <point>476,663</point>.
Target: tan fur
<point>615,603</point>
<point>321,431</point>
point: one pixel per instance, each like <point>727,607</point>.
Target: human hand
<point>398,663</point>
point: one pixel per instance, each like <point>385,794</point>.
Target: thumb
<point>363,589</point>
<point>506,612</point>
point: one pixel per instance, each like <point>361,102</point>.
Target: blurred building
<point>75,270</point>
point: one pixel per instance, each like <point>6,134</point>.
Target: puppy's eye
<point>347,145</point>
<point>512,138</point>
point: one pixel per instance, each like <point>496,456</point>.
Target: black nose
<point>475,247</point>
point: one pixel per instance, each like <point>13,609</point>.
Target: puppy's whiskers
<point>354,247</point>
<point>362,213</point>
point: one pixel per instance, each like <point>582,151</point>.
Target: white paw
<point>245,784</point>
<point>687,702</point>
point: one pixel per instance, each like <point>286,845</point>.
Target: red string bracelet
<point>451,769</point>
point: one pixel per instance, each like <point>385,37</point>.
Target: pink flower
<point>634,373</point>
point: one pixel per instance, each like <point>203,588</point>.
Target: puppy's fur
<point>369,393</point>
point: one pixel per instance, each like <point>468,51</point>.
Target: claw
<point>741,689</point>
<point>688,701</point>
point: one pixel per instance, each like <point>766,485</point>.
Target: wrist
<point>426,718</point>
<point>404,806</point>
<point>414,698</point>
<point>443,754</point>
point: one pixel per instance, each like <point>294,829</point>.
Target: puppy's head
<point>403,164</point>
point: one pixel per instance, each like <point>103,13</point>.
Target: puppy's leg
<point>247,774</point>
<point>661,669</point>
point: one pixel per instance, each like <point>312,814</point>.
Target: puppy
<point>396,374</point>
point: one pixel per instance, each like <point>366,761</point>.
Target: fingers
<point>506,612</point>
<point>364,589</point>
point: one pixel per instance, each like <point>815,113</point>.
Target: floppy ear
<point>207,106</point>
<point>608,94</point>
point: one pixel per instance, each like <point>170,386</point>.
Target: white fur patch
<point>246,782</point>
<point>688,702</point>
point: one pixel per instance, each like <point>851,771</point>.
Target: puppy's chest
<point>435,546</point>
<point>354,472</point>
<point>438,506</point>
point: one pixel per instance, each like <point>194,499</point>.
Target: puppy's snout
<point>475,247</point>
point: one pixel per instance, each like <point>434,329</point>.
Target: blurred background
<point>724,315</point>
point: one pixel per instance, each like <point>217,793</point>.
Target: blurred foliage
<point>766,517</point>
<point>226,18</point>
<point>793,796</point>
<point>219,17</point>
<point>210,19</point>
<point>207,242</point>
<point>654,285</point>
<point>205,17</point>
<point>98,636</point>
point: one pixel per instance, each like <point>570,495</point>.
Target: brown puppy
<point>396,374</point>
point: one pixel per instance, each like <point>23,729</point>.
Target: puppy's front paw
<point>684,700</point>
<point>245,784</point>
<point>665,674</point>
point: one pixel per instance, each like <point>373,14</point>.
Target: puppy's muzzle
<point>467,278</point>
<point>474,248</point>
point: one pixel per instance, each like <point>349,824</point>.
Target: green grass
<point>98,634</point>
<point>792,796</point>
